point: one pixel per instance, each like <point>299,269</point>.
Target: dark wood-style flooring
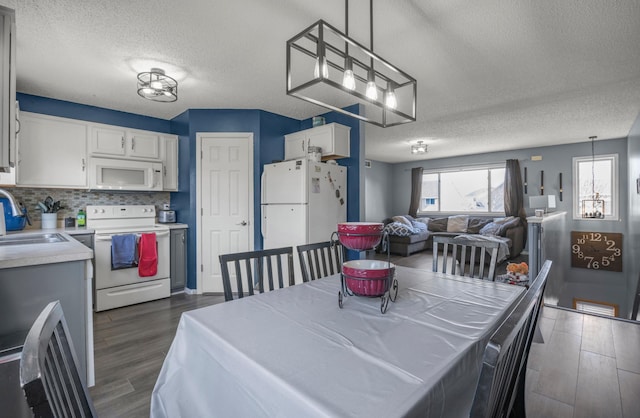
<point>587,367</point>
<point>130,346</point>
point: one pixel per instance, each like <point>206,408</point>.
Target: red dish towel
<point>148,255</point>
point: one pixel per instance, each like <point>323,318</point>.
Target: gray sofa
<point>513,231</point>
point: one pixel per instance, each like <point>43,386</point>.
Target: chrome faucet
<point>15,206</point>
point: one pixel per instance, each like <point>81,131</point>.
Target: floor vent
<point>595,307</point>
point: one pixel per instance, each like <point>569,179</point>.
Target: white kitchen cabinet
<point>7,86</point>
<point>107,141</point>
<point>8,178</point>
<point>114,141</point>
<point>169,149</point>
<point>333,138</point>
<point>52,152</point>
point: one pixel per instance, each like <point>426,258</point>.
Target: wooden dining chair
<point>320,260</point>
<point>465,258</point>
<point>500,390</point>
<point>49,373</point>
<point>253,267</point>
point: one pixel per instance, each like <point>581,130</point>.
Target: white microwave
<point>114,174</point>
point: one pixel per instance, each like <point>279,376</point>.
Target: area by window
<point>467,190</point>
<point>595,187</point>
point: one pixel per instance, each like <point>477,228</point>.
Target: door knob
<point>243,223</point>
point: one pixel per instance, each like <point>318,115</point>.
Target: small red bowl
<point>368,269</point>
<point>368,277</point>
<point>361,227</point>
<point>366,287</point>
<point>360,235</point>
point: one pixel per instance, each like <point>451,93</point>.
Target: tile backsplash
<point>73,200</point>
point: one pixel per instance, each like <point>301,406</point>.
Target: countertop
<point>35,254</point>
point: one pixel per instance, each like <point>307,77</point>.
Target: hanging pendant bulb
<point>348,81</point>
<point>390,98</point>
<point>324,66</point>
<point>321,63</point>
<point>372,89</point>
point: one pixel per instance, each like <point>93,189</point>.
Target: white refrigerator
<point>302,202</point>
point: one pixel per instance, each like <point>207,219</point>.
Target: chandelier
<point>419,148</point>
<point>157,86</point>
<point>327,68</point>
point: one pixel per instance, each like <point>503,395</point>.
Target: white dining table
<point>294,353</point>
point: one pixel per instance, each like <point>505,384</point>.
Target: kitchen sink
<point>24,239</point>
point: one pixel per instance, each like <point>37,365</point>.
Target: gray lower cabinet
<point>86,239</point>
<point>178,269</point>
<point>25,291</point>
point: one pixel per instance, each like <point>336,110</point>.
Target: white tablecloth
<point>294,353</point>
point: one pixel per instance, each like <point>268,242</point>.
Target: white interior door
<point>226,201</point>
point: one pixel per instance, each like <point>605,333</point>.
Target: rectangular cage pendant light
<point>326,67</point>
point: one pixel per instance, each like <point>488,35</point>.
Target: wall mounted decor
<point>541,182</point>
<point>596,250</point>
<point>525,180</point>
<point>560,181</point>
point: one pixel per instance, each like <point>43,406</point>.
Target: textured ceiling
<point>492,75</point>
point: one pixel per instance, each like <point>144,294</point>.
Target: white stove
<point>124,286</point>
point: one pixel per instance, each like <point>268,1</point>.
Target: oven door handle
<point>107,237</point>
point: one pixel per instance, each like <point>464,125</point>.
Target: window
<point>596,175</point>
<point>472,190</point>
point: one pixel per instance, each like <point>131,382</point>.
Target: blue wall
<point>268,130</point>
<point>54,107</point>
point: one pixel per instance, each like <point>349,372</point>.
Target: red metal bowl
<point>360,235</point>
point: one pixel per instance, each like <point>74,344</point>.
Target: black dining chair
<point>465,257</point>
<point>500,390</point>
<point>320,260</point>
<point>252,268</point>
<point>49,373</point>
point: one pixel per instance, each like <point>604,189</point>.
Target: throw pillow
<point>402,220</point>
<point>438,225</point>
<point>476,224</point>
<point>419,226</point>
<point>457,223</point>
<point>424,221</point>
<point>508,225</point>
<point>491,228</point>
<point>399,229</point>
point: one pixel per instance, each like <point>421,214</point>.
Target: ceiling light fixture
<point>157,86</point>
<point>327,68</point>
<point>419,148</point>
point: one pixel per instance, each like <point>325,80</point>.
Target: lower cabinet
<point>178,269</point>
<point>86,239</point>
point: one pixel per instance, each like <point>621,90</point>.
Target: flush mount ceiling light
<point>419,148</point>
<point>326,67</point>
<point>157,86</point>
